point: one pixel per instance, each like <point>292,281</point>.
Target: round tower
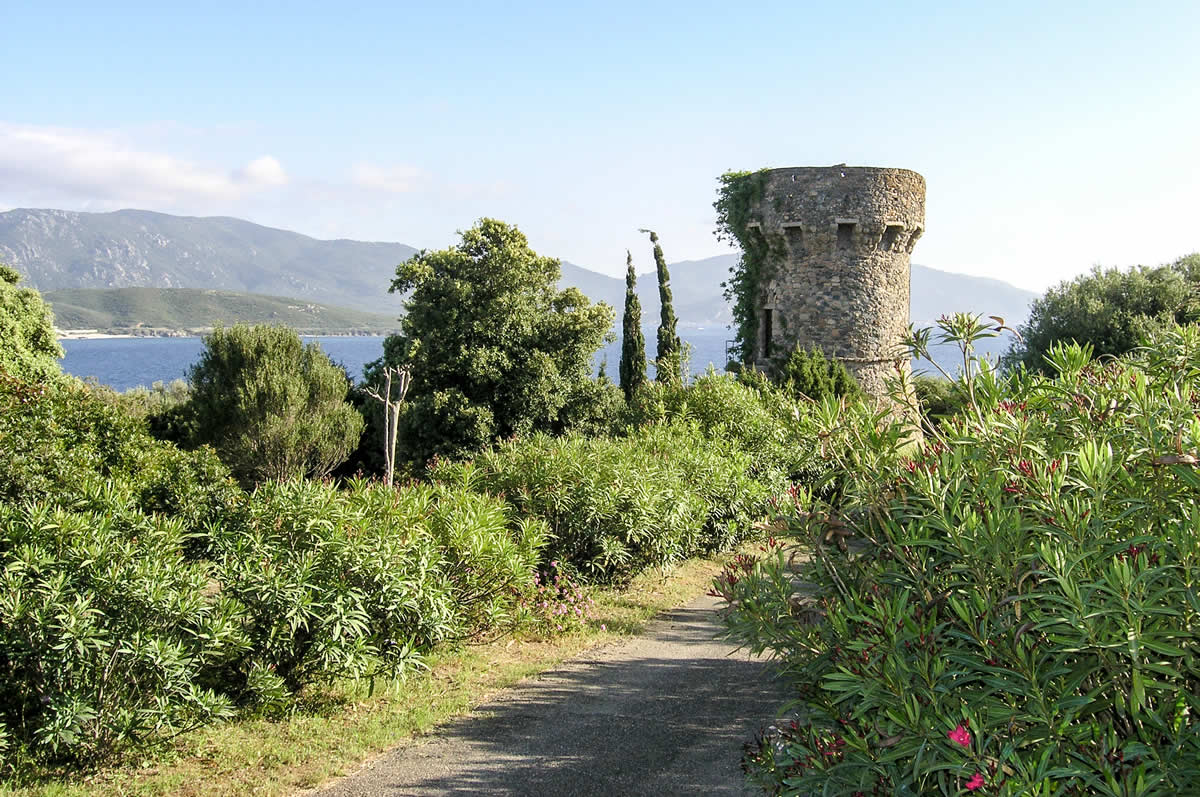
<point>839,239</point>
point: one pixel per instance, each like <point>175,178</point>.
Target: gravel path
<point>660,714</point>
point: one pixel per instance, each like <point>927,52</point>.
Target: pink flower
<point>975,782</point>
<point>961,735</point>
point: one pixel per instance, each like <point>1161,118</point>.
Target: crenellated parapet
<point>839,240</point>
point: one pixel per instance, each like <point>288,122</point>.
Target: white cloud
<point>391,180</point>
<point>264,171</point>
<point>86,165</point>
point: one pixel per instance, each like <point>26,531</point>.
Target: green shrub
<point>360,583</point>
<point>272,407</point>
<point>1013,608</point>
<point>108,636</point>
<point>938,398</point>
<point>616,506</point>
<point>28,346</point>
<point>1108,309</point>
<point>494,347</point>
<point>59,441</point>
<point>809,373</point>
<point>591,408</point>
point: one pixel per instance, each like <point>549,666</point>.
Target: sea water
<point>123,363</point>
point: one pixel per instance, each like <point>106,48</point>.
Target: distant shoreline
<point>95,334</point>
<point>88,334</point>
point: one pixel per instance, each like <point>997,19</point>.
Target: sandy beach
<point>87,334</point>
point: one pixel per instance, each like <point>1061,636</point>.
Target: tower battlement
<point>838,279</point>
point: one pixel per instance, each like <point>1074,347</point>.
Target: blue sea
<point>123,363</point>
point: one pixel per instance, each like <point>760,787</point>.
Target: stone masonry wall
<point>840,241</point>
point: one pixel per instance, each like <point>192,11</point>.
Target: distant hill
<point>190,309</point>
<point>697,294</point>
<point>59,250</point>
<point>936,293</point>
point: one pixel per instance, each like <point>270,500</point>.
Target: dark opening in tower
<point>795,239</point>
<point>767,331</point>
<point>845,235</point>
<point>890,235</point>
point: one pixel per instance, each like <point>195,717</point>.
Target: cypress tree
<point>668,364</point>
<point>633,343</point>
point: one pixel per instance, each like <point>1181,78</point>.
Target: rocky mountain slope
<point>192,309</point>
<point>58,250</point>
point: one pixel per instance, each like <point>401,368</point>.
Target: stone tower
<point>839,239</point>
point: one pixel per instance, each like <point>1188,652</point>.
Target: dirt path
<point>664,713</point>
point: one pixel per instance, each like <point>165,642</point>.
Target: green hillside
<point>192,309</point>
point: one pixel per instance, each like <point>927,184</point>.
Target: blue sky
<point>1052,135</point>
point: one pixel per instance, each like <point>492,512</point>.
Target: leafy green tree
<point>668,364</point>
<point>272,407</point>
<point>28,347</point>
<point>633,342</point>
<point>810,373</point>
<point>1111,310</point>
<point>495,349</point>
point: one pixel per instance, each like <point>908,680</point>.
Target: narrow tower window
<point>795,239</point>
<point>845,235</point>
<point>890,235</point>
<point>912,239</point>
<point>767,331</point>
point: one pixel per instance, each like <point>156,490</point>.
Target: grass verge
<point>343,727</point>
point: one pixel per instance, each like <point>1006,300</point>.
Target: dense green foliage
<point>937,398</point>
<point>615,506</point>
<point>28,347</point>
<point>746,413</point>
<point>272,407</point>
<point>668,362</point>
<point>143,309</point>
<point>144,592</point>
<point>360,582</point>
<point>1012,607</point>
<point>633,342</point>
<point>1110,310</point>
<point>109,635</point>
<point>809,373</point>
<point>62,446</point>
<point>495,348</point>
<point>738,191</point>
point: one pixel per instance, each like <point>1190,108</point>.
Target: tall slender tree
<point>668,364</point>
<point>633,342</point>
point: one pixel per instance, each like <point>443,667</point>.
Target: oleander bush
<point>59,442</point>
<point>112,634</point>
<point>1012,609</point>
<point>109,636</point>
<point>360,582</point>
<point>142,402</point>
<point>746,412</point>
<point>615,506</point>
<point>144,593</point>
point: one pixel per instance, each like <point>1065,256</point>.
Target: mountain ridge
<point>188,309</point>
<point>130,248</point>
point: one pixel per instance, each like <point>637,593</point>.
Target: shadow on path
<point>664,713</point>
